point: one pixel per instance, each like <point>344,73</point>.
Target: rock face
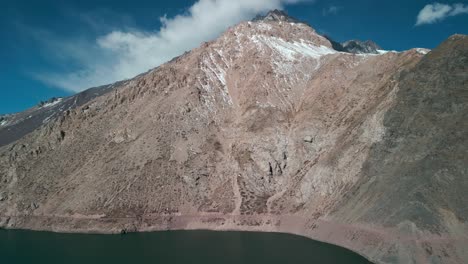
<point>275,16</point>
<point>360,47</point>
<point>266,128</point>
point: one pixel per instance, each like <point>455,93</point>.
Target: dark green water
<point>168,247</point>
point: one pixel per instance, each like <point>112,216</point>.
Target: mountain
<point>16,126</point>
<point>266,128</point>
<point>350,46</point>
<point>358,47</point>
<point>361,47</point>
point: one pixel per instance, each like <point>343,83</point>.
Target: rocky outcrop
<point>360,47</point>
<point>266,128</point>
<point>275,16</point>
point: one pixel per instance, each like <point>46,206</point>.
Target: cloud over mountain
<point>122,54</point>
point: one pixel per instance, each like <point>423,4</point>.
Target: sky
<point>54,48</point>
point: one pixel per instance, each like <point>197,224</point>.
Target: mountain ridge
<point>17,125</point>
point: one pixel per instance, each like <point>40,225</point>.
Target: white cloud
<point>436,12</point>
<point>459,9</point>
<point>124,54</point>
<point>331,10</point>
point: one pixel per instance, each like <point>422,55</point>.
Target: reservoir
<point>172,247</point>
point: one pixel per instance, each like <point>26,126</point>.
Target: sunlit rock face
<point>266,128</point>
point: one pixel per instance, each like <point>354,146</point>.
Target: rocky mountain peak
<point>350,46</point>
<point>360,47</point>
<point>276,15</point>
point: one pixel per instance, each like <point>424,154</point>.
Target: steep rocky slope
<point>266,128</point>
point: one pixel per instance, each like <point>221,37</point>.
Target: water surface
<point>169,247</point>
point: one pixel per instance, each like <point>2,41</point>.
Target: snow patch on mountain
<point>294,50</point>
<point>215,71</point>
<point>264,26</point>
<point>50,104</point>
<point>422,51</point>
<point>383,51</point>
<point>379,52</point>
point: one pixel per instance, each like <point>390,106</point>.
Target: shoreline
<point>201,229</point>
<point>375,245</point>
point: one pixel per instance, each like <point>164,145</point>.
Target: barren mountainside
<point>15,126</point>
<point>266,128</point>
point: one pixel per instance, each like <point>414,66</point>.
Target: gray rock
<point>361,47</point>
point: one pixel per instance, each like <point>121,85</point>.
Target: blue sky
<point>53,48</point>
